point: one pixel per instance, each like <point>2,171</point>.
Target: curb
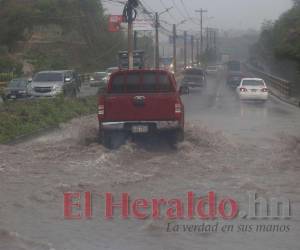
<point>283,99</point>
<point>32,135</point>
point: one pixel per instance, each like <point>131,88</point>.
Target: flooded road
<point>231,148</point>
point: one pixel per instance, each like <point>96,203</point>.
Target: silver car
<point>53,83</point>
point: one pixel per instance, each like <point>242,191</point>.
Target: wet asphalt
<point>231,148</point>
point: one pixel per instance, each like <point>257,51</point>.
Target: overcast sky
<point>222,14</point>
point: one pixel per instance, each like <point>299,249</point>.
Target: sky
<point>222,14</point>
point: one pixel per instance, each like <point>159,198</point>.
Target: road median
<point>27,117</point>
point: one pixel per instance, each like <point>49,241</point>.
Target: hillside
<point>52,34</point>
<point>278,49</point>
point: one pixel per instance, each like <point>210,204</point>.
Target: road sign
<point>114,23</point>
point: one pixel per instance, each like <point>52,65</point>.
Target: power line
<point>187,12</point>
<point>168,10</point>
<point>178,10</point>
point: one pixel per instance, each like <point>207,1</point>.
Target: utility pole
<point>174,48</point>
<point>185,49</point>
<point>130,45</point>
<point>156,41</point>
<point>129,14</point>
<point>201,11</point>
<point>198,52</point>
<point>215,40</point>
<point>135,38</point>
<point>156,24</point>
<point>192,49</point>
<point>207,38</point>
<point>211,38</point>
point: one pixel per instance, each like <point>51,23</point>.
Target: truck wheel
<point>174,137</point>
<point>113,140</point>
<point>105,139</point>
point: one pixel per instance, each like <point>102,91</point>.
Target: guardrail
<point>283,86</point>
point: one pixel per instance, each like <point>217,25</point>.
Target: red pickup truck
<point>140,102</point>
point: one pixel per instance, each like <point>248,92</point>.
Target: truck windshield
<point>141,82</point>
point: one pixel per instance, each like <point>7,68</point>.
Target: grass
<point>26,117</point>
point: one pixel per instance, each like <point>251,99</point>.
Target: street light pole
<point>174,49</point>
<point>156,41</point>
<point>201,11</point>
<point>185,49</point>
<point>192,49</point>
<point>129,14</point>
<point>157,15</point>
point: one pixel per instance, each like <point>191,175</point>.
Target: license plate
<point>140,129</point>
<point>13,97</point>
<point>253,90</point>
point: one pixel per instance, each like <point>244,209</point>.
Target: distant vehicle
<point>140,102</point>
<point>138,59</point>
<point>193,78</point>
<point>53,83</point>
<point>75,77</point>
<point>108,72</point>
<point>166,63</point>
<point>17,88</point>
<point>234,73</point>
<point>253,89</point>
<point>234,79</point>
<point>98,79</point>
<point>212,70</point>
<point>225,58</point>
<point>234,66</point>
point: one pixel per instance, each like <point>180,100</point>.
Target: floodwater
<point>231,148</point>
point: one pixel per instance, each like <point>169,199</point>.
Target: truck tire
<point>106,140</point>
<point>113,139</point>
<point>175,137</point>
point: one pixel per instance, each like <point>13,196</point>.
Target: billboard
<point>114,23</point>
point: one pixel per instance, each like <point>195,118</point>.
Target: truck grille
<point>43,89</point>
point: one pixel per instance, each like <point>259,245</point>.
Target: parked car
<point>53,83</point>
<point>17,88</point>
<point>98,79</point>
<point>253,89</point>
<point>140,102</point>
<point>194,78</point>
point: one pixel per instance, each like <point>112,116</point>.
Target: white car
<point>253,89</point>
